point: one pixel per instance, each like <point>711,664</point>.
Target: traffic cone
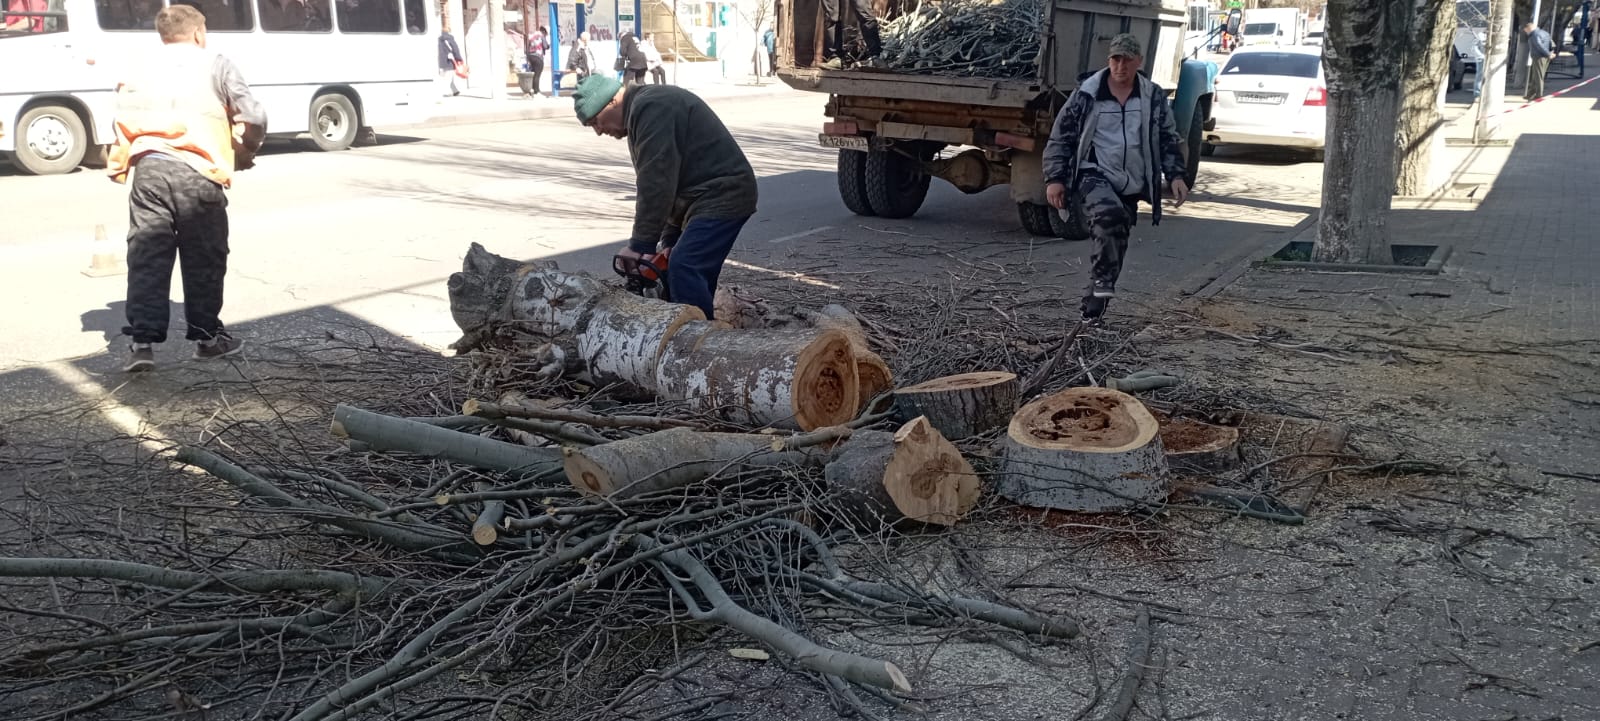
<point>107,258</point>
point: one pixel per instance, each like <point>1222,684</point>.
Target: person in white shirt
<point>652,56</point>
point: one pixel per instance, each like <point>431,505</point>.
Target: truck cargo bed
<point>911,86</point>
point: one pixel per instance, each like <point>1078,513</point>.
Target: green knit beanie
<point>593,95</point>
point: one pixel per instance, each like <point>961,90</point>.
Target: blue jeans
<point>697,258</point>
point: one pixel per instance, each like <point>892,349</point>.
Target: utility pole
<point>1495,61</point>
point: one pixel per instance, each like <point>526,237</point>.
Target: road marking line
<point>802,234</point>
<point>802,277</point>
<point>122,417</point>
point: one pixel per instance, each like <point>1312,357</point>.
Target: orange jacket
<point>172,106</point>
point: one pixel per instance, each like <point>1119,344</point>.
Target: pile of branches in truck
<point>983,38</point>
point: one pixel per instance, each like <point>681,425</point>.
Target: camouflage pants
<point>1110,218</point>
<point>175,213</point>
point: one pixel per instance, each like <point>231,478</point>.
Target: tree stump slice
<point>912,474</point>
<point>1084,449</point>
<point>963,405</point>
<point>1197,447</point>
<point>670,459</point>
<point>801,378</point>
<point>872,373</point>
<point>623,338</point>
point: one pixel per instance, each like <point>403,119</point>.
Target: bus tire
<point>51,140</point>
<point>334,122</point>
<point>852,174</point>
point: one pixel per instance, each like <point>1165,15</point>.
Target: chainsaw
<point>647,276</point>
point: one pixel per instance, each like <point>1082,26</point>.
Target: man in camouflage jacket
<point>1112,143</point>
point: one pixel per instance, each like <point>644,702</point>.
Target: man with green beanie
<point>696,189</point>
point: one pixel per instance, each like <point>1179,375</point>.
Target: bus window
<point>295,16</point>
<point>223,16</point>
<point>416,17</point>
<point>31,17</point>
<point>368,16</point>
<point>128,14</point>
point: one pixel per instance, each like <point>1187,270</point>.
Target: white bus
<point>328,72</point>
<point>1201,32</point>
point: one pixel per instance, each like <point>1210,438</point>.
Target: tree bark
<point>1363,56</point>
<point>388,433</point>
<point>913,473</point>
<point>1419,131</point>
<point>801,378</point>
<point>962,406</point>
<point>1084,449</point>
<point>673,458</point>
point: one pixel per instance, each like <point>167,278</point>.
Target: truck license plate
<point>845,142</point>
<point>1261,98</point>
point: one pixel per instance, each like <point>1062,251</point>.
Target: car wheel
<point>1207,150</point>
<point>852,176</point>
<point>51,140</point>
<point>334,122</point>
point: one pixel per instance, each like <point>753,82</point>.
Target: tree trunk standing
<point>1494,63</point>
<point>1365,45</point>
<point>1419,134</point>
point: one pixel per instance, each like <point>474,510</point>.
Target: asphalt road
<point>372,233</point>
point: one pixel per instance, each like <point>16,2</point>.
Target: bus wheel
<point>333,122</point>
<point>50,140</point>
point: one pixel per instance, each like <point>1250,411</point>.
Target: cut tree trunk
<point>963,405</point>
<point>673,458</point>
<point>872,373</point>
<point>388,433</point>
<point>1199,448</point>
<point>1365,42</point>
<point>1084,449</point>
<point>911,474</point>
<point>1419,132</point>
<point>623,337</point>
<point>788,378</point>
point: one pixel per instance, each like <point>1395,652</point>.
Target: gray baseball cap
<point>1126,45</point>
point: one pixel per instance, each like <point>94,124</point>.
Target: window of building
<point>368,16</point>
<point>128,14</point>
<point>295,16</point>
<point>223,15</point>
<point>416,17</point>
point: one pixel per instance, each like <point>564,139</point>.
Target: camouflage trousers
<point>1110,217</point>
<point>175,213</point>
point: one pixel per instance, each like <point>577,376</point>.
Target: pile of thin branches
<point>967,38</point>
<point>393,600</point>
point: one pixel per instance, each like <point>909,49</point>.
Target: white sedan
<point>1270,96</point>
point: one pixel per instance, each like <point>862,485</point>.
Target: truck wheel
<point>51,140</point>
<point>852,174</point>
<point>896,184</point>
<point>1075,227</point>
<point>333,122</point>
<point>1194,148</point>
<point>1036,218</point>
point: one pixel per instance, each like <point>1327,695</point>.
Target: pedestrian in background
<point>769,41</point>
<point>449,55</point>
<point>690,174</point>
<point>652,57</point>
<point>185,121</point>
<point>538,45</point>
<point>581,60</point>
<point>632,59</point>
<point>1540,50</point>
<point>1112,142</point>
